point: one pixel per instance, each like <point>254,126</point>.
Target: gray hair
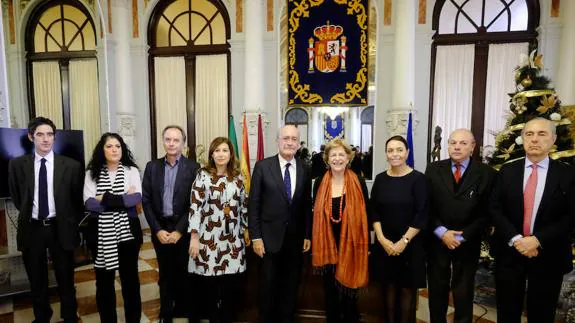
<point>287,125</point>
<point>173,126</point>
<point>551,124</point>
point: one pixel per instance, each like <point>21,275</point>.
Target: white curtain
<point>84,102</point>
<point>170,84</point>
<point>211,98</point>
<point>502,60</point>
<point>452,91</point>
<point>48,91</point>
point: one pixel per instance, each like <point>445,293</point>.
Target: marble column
<point>566,72</point>
<point>254,26</point>
<point>404,69</point>
<point>123,98</point>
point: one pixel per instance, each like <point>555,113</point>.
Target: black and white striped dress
<point>113,226</point>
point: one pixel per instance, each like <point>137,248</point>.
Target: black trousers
<point>279,279</point>
<point>174,283</point>
<point>543,288</point>
<point>452,270</point>
<point>36,264</point>
<point>340,303</point>
<point>214,297</point>
<point>130,282</point>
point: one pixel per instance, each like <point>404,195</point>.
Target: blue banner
<point>333,128</point>
<point>327,52</point>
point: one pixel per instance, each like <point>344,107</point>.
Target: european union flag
<point>410,160</point>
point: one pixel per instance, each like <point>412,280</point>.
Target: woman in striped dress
<point>112,189</point>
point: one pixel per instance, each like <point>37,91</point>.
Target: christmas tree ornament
<point>526,82</point>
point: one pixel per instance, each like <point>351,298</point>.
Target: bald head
<point>460,145</point>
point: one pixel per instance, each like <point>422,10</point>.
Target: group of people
<point>428,227</point>
<point>361,164</point>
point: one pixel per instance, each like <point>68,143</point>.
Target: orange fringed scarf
<point>351,260</point>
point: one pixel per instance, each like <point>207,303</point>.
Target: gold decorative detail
<point>135,23</point>
<point>422,12</point>
<point>239,16</point>
<point>555,4</point>
<point>547,102</point>
<point>270,15</point>
<point>11,30</point>
<point>507,152</point>
<point>110,16</point>
<point>387,13</point>
<point>301,10</point>
<point>532,93</point>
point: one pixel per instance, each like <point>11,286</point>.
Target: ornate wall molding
<point>397,121</point>
<point>126,124</point>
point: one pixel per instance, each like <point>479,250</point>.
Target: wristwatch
<point>405,239</point>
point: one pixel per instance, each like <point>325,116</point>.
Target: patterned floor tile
<point>148,254</point>
<point>148,276</point>
<point>84,276</point>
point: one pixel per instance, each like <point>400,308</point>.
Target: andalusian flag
<point>232,136</point>
<point>245,159</point>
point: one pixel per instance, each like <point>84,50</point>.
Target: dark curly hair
<point>232,168</point>
<point>98,159</point>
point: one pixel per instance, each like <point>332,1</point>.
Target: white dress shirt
<point>50,178</point>
<point>292,171</point>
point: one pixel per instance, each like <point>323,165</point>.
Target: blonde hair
<point>334,144</point>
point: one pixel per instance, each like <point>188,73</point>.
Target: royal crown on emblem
<point>328,32</point>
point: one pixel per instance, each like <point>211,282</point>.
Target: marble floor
<point>19,309</point>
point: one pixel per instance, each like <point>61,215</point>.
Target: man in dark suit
<point>166,189</point>
<point>318,166</point>
<point>533,209</point>
<point>459,190</point>
<point>280,225</point>
<point>47,190</point>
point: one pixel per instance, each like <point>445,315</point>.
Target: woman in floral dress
<point>218,219</point>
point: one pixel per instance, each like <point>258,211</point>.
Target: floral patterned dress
<point>218,213</point>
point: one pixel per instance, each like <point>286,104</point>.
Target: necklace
<point>340,207</point>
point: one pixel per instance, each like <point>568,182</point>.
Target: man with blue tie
<point>280,219</point>
<point>533,209</point>
<point>459,190</point>
<point>47,190</point>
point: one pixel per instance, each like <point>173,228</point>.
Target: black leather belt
<point>44,223</point>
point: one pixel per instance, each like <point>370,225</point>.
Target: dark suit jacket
<point>153,193</point>
<point>465,210</point>
<point>553,223</point>
<point>270,213</point>
<point>68,182</point>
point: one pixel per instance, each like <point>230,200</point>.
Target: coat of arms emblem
<point>329,50</point>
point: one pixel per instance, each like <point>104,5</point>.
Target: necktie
<point>43,191</point>
<point>457,173</point>
<point>287,182</point>
<point>529,200</point>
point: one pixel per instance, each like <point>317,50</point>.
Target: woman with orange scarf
<point>340,233</point>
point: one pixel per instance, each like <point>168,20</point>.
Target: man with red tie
<point>533,212</point>
<point>459,191</point>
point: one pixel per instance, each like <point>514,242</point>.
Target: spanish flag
<point>245,159</point>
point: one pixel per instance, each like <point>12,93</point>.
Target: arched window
<point>299,118</point>
<point>476,46</point>
<point>62,69</point>
<point>189,69</point>
<point>366,128</point>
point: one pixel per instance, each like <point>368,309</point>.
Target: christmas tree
<point>534,97</point>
